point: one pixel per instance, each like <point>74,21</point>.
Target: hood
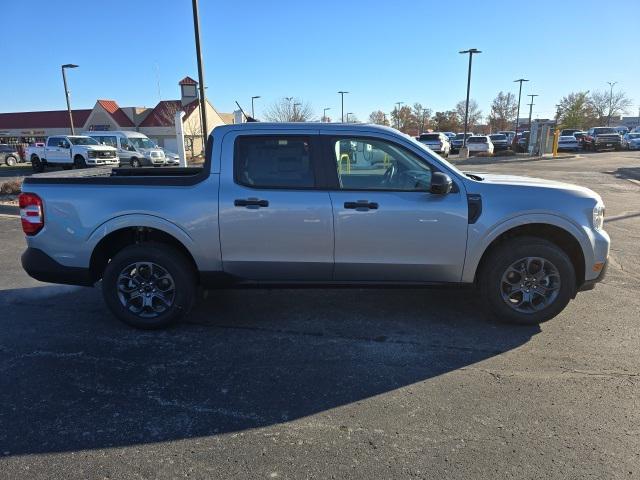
<point>517,181</point>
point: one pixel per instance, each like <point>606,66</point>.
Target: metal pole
<point>531,109</point>
<point>518,114</point>
<point>66,94</point>
<point>471,51</point>
<point>341,92</point>
<point>324,114</point>
<point>398,105</point>
<point>611,84</point>
<point>196,29</point>
<point>252,111</point>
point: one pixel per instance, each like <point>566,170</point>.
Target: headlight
<point>598,217</point>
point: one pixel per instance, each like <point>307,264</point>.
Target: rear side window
<point>274,162</point>
<point>477,140</point>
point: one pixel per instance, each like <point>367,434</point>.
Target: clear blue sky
<point>381,51</point>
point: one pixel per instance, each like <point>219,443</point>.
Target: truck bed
<point>122,176</point>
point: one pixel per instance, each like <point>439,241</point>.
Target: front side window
<point>83,141</point>
<point>53,141</point>
<point>274,162</point>
<point>124,143</point>
<point>372,164</point>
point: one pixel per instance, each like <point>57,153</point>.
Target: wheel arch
<point>556,234</point>
<point>113,236</point>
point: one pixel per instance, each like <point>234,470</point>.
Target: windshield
<point>460,136</point>
<point>498,137</point>
<point>435,158</point>
<point>633,135</point>
<point>142,142</point>
<point>600,131</point>
<point>477,140</point>
<point>83,141</point>
<point>430,136</point>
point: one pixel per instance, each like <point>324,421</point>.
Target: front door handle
<point>361,205</point>
<point>251,203</point>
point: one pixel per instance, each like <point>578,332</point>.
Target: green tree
<point>446,121</point>
<point>576,111</point>
<point>404,119</point>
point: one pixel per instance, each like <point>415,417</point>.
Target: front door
<point>276,224</point>
<point>388,227</point>
<point>55,150</point>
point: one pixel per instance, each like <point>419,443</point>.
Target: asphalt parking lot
<point>356,383</point>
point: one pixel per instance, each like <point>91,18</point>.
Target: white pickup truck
<point>71,151</point>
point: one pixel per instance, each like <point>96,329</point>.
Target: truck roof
<point>364,127</point>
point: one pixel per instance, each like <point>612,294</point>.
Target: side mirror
<point>441,183</point>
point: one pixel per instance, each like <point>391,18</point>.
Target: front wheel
<point>135,163</point>
<point>149,285</point>
<point>527,280</point>
<point>79,162</point>
<point>11,161</point>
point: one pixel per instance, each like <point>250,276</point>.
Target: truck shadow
<point>73,378</point>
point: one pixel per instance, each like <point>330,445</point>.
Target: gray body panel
<point>307,235</point>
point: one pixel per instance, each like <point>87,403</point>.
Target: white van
<point>134,148</point>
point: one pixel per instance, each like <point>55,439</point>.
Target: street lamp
<point>398,105</point>
<point>349,113</point>
<point>518,115</point>
<point>424,114</point>
<point>471,51</point>
<point>295,114</point>
<point>342,93</point>
<point>611,84</point>
<point>252,99</point>
<point>66,93</point>
<point>324,113</point>
<point>531,108</point>
<point>203,108</point>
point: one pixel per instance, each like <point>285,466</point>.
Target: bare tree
<point>422,116</point>
<point>475,114</point>
<point>289,110</point>
<point>378,117</point>
<point>606,105</point>
<point>447,121</point>
<point>405,120</point>
<point>503,111</point>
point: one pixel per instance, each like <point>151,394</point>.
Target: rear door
<point>276,222</point>
<point>388,227</point>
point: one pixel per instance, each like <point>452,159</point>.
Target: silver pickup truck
<point>312,204</point>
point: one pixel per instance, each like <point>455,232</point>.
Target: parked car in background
<point>134,148</point>
<point>631,141</point>
<point>599,138</point>
<point>257,213</point>
<point>510,134</point>
<point>171,158</point>
<point>565,132</point>
<point>522,141</point>
<point>580,137</point>
<point>568,142</point>
<point>622,130</point>
<point>450,136</point>
<point>71,151</point>
<point>456,143</point>
<point>9,155</point>
<point>437,141</point>
<point>500,141</point>
<point>480,144</point>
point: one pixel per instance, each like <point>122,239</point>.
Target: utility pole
<point>295,113</point>
<point>520,80</point>
<point>66,93</point>
<point>398,105</point>
<point>611,84</point>
<point>203,100</point>
<point>342,93</point>
<point>349,113</point>
<point>471,51</point>
<point>290,118</point>
<point>252,112</point>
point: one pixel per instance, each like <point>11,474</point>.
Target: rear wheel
<point>149,285</point>
<point>37,165</point>
<point>527,280</point>
<point>11,161</point>
<point>135,163</point>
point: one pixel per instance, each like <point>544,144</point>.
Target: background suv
<point>9,155</point>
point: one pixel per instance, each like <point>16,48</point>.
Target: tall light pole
<point>203,101</point>
<point>289,99</point>
<point>520,80</point>
<point>349,113</point>
<point>66,93</point>
<point>471,51</point>
<point>252,112</point>
<point>398,105</point>
<point>324,113</point>
<point>424,114</point>
<point>531,107</point>
<point>295,113</point>
<point>611,84</point>
<point>342,93</point>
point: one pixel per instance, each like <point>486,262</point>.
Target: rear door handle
<point>361,205</point>
<point>251,203</point>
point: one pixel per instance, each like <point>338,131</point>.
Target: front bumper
<point>591,284</point>
<point>42,267</point>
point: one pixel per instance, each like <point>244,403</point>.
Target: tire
<point>37,165</point>
<point>79,162</point>
<point>496,279</point>
<point>135,163</point>
<point>11,161</point>
<point>165,262</point>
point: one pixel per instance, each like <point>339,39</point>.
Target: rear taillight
<point>31,213</point>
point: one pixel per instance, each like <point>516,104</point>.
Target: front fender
<point>479,241</point>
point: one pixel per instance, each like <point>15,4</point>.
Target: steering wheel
<point>389,174</point>
<point>415,178</point>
